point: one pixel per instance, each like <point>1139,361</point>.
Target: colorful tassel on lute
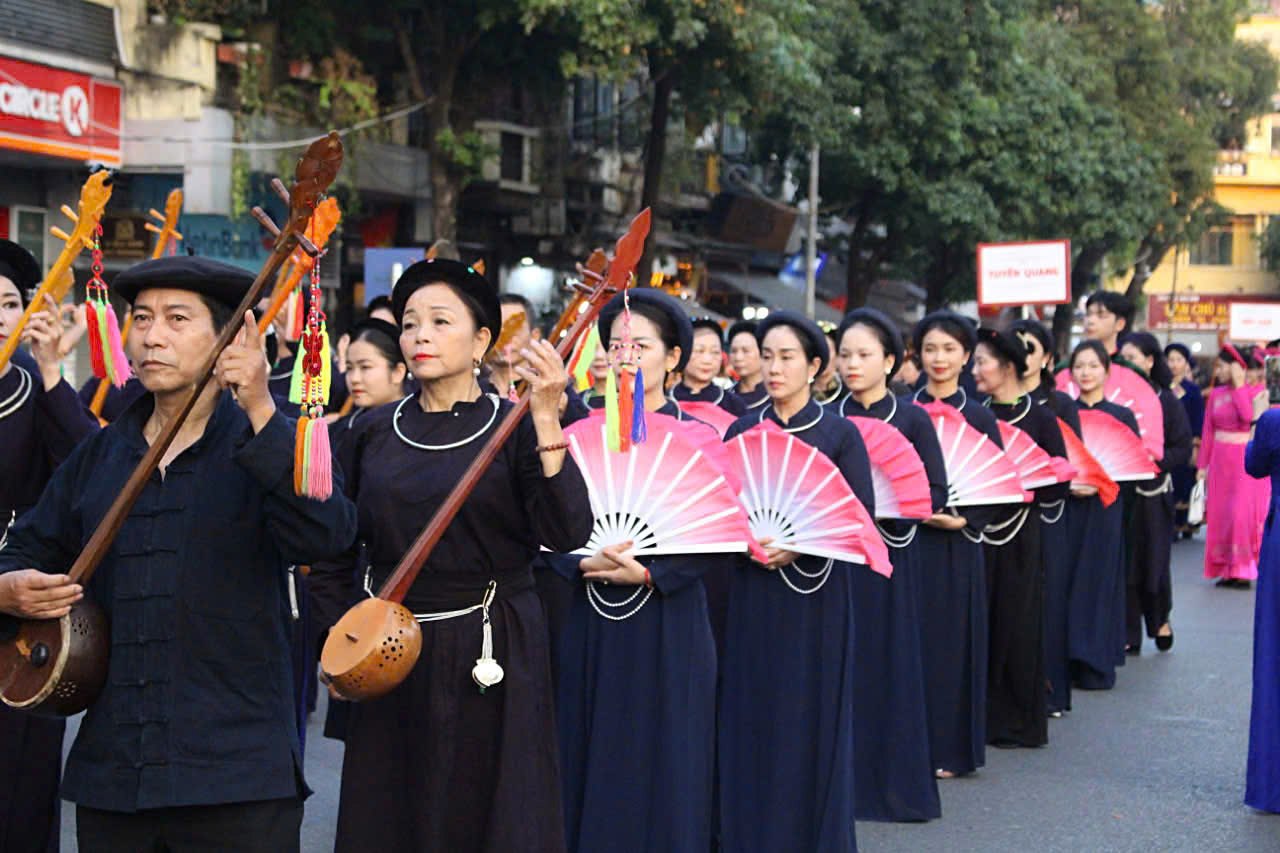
<point>313,459</point>
<point>626,410</point>
<point>93,328</point>
<point>639,431</point>
<point>117,361</point>
<point>611,419</point>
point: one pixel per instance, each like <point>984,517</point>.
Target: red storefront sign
<point>59,113</point>
<point>1192,312</point>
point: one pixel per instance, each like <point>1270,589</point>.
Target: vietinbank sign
<point>59,113</point>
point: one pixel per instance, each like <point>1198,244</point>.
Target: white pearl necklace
<point>964,397</point>
<point>892,412</point>
<point>395,423</point>
<point>19,397</point>
<point>597,600</point>
<point>813,423</point>
<point>821,576</point>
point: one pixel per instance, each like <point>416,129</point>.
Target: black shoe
<point>1133,651</point>
<point>1225,582</point>
<point>1165,643</point>
<point>1243,584</point>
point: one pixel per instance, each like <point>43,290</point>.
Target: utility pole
<point>811,249</point>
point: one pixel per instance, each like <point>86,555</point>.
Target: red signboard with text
<point>1193,312</point>
<point>59,113</point>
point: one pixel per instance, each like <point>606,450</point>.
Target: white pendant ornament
<point>487,672</point>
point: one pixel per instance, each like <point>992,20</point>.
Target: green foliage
<point>946,124</point>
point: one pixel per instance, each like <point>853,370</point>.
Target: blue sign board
<point>380,269</point>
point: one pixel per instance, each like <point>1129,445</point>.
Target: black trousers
<point>1149,587</point>
<point>269,826</point>
<point>30,767</point>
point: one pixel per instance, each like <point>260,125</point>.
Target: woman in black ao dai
<point>437,764</point>
<point>786,762</point>
<point>894,772</point>
<point>637,681</point>
<point>1017,701</point>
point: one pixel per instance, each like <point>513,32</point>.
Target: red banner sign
<point>59,113</point>
<point>1192,312</point>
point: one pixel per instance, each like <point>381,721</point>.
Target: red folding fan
<point>1120,453</point>
<point>1035,466</point>
<point>709,413</point>
<point>978,472</point>
<point>664,495</point>
<point>901,484</point>
<point>1127,388</point>
<point>1088,471</point>
<point>797,497</point>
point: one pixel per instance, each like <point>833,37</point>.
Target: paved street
<point>1155,765</point>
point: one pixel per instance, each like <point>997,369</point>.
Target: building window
<point>1213,249</point>
<point>512,168</point>
<point>27,229</point>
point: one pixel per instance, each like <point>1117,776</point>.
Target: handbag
<point>1195,504</point>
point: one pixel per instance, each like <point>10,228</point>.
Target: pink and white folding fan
<point>978,472</point>
<point>709,413</point>
<point>1088,471</point>
<point>1035,467</point>
<point>1127,388</point>
<point>796,496</point>
<point>902,486</point>
<point>664,495</point>
<point>1120,453</point>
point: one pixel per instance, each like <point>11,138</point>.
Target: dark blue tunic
<point>1150,532</point>
<point>35,437</point>
<point>786,729</point>
<point>117,399</point>
<point>755,398</point>
<point>894,772</point>
<point>436,764</point>
<point>1095,615</point>
<point>1262,459</point>
<point>713,393</point>
<point>646,658</point>
<point>198,706</point>
<point>953,614</point>
<point>1017,702</point>
<point>1056,551</point>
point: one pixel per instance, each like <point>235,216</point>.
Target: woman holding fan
<point>637,647</point>
<point>1017,711</point>
<point>894,772</point>
<point>437,763</point>
<point>786,730</point>
<point>1149,590</point>
<point>1055,545</point>
<point>953,587</point>
<point>1095,615</point>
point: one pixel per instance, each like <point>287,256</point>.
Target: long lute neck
<point>93,552</point>
<point>401,580</point>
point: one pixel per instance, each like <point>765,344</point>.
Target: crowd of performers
<point>760,701</point>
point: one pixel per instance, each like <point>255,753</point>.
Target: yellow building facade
<point>1226,262</point>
